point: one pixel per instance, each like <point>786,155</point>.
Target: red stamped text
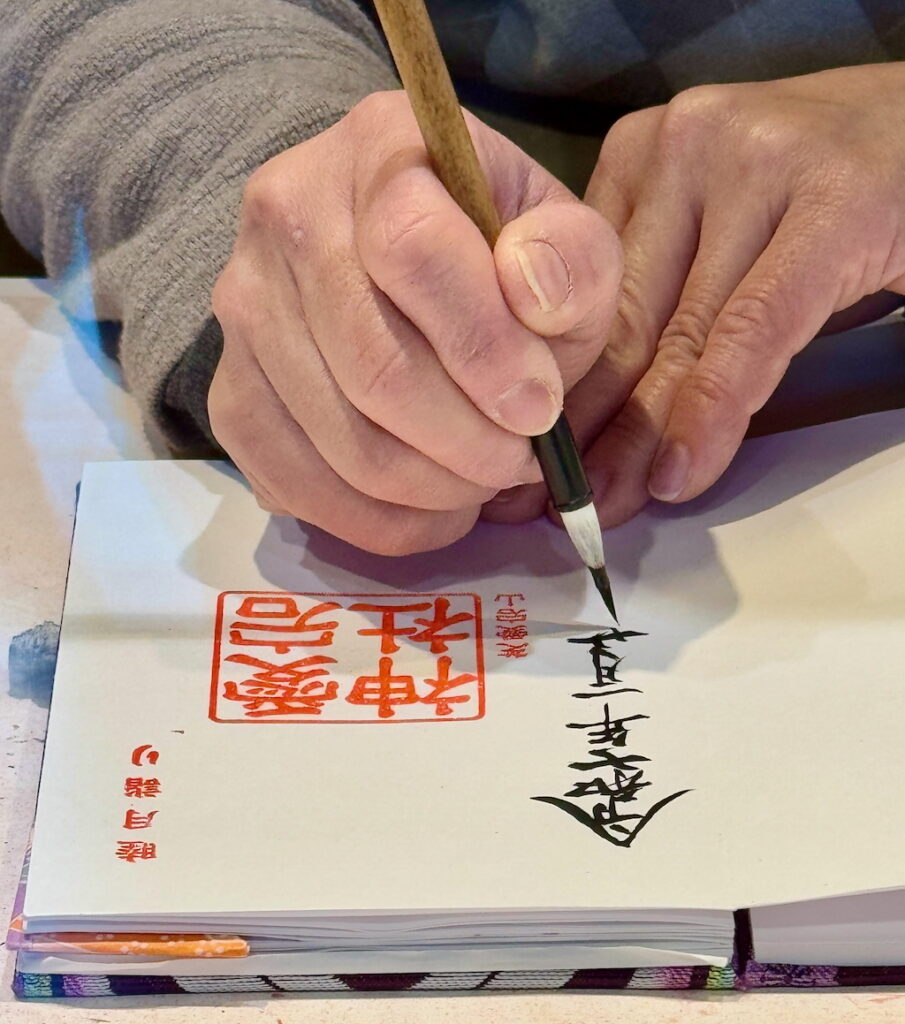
<point>377,658</point>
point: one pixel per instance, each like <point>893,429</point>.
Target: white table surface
<point>61,404</point>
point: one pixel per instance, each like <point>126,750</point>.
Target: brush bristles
<point>583,527</point>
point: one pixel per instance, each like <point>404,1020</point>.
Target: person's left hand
<point>748,215</point>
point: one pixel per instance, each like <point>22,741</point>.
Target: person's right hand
<point>382,369</point>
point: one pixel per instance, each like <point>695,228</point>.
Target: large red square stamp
<point>382,658</point>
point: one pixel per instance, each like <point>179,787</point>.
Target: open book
<point>314,761</point>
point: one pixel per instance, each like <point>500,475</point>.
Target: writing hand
<point>382,369</point>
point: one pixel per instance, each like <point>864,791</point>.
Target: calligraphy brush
<point>423,71</point>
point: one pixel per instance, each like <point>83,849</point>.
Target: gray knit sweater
<point>128,127</point>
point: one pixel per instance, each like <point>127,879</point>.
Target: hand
<point>748,214</point>
<point>381,368</point>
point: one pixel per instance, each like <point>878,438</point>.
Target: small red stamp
<point>511,631</point>
<point>281,657</point>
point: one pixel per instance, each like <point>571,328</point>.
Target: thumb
<point>558,261</point>
<point>559,265</point>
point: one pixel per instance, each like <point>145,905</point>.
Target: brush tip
<point>602,583</point>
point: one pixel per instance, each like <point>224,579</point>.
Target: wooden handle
<point>430,90</point>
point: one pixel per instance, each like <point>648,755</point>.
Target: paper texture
<point>769,681</point>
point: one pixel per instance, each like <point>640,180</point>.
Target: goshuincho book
<point>277,762</point>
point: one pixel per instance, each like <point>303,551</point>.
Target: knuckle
<point>711,389</point>
<point>620,141</point>
<point>223,296</point>
<point>233,301</point>
<point>634,315</point>
<point>701,103</point>
<point>374,108</point>
<point>366,110</point>
<point>619,133</point>
<point>694,113</point>
<point>269,200</point>
<point>747,318</point>
<point>684,336</point>
<point>262,197</point>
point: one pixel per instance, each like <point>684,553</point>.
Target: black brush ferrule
<point>560,462</point>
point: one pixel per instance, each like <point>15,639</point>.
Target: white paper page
<point>846,931</point>
<point>771,679</point>
<point>485,958</point>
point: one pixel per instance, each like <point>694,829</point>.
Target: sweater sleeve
<point>127,131</point>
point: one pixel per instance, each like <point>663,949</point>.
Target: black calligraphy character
<point>625,785</point>
<point>623,777</point>
<point>605,672</point>
<point>606,821</point>
<point>612,731</point>
<point>598,644</point>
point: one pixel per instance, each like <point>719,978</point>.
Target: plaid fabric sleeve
<point>638,52</point>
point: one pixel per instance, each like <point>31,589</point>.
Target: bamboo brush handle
<point>424,74</point>
<point>423,71</point>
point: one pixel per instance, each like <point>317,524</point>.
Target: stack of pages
<point>271,755</point>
